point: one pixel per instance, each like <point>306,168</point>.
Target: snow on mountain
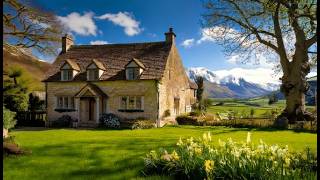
<point>261,76</point>
<point>242,82</point>
<point>204,72</point>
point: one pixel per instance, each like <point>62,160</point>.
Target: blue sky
<point>128,21</point>
<point>154,17</point>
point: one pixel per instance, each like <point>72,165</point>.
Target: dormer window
<point>134,69</point>
<point>68,70</point>
<point>93,74</point>
<point>133,73</point>
<point>66,75</point>
<point>95,70</point>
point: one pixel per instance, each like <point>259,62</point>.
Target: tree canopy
<point>27,26</point>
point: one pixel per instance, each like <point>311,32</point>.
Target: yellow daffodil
<point>208,165</point>
<point>174,155</point>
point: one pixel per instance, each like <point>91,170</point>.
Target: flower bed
<point>199,159</point>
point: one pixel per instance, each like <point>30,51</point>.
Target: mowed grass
<point>118,154</point>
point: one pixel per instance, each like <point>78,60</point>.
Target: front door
<point>87,110</point>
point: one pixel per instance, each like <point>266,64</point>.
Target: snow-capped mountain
<point>241,83</point>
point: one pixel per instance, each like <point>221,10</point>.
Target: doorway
<point>87,109</point>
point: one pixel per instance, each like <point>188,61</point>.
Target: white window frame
<point>135,103</point>
<point>69,99</point>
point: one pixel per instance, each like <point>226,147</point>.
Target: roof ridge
<point>117,44</point>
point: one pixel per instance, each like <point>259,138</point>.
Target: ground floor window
<point>131,103</point>
<point>65,102</point>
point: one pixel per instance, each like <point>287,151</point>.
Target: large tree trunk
<point>294,85</point>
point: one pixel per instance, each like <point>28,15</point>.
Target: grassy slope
<point>241,106</point>
<point>34,68</point>
<point>117,154</point>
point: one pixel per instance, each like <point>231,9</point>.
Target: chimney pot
<point>170,36</point>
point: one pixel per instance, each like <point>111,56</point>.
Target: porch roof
<point>93,89</point>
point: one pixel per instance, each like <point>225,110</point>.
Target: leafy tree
<point>272,99</point>
<point>199,82</point>
<point>206,103</point>
<point>8,118</point>
<point>282,30</point>
<point>34,103</point>
<point>28,26</point>
<point>15,89</point>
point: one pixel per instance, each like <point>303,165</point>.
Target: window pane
<point>96,75</point>
<point>130,73</point>
<point>69,74</point>
<point>131,102</point>
<point>65,102</point>
<point>136,73</point>
<point>123,102</point>
<point>65,75</point>
<point>60,102</point>
<point>71,103</point>
<point>138,102</point>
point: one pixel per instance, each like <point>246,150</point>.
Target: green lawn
<point>117,154</point>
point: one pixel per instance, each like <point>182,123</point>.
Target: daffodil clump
<point>200,159</point>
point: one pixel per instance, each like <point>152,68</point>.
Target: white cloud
<point>98,42</point>
<point>187,43</point>
<point>124,19</point>
<point>80,24</point>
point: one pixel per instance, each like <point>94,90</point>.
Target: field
<point>243,107</point>
<point>118,154</point>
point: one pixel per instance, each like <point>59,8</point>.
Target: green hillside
<point>33,69</point>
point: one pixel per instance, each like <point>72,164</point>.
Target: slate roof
<point>114,58</point>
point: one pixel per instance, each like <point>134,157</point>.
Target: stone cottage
<point>133,80</point>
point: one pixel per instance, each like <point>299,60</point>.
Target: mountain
<point>230,85</point>
<point>33,68</point>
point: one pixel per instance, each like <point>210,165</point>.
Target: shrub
<point>143,124</point>
<point>186,120</point>
<point>194,113</point>
<point>109,120</point>
<point>8,118</point>
<point>63,121</point>
<point>199,159</point>
<point>281,122</point>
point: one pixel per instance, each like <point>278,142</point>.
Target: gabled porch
<point>90,101</point>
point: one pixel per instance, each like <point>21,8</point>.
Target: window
<point>65,102</point>
<point>93,74</point>
<point>123,102</point>
<point>131,102</point>
<point>66,75</point>
<point>132,73</point>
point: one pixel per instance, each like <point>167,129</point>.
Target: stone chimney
<point>170,36</point>
<point>67,41</point>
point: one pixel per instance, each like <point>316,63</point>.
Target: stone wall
<point>114,90</point>
<point>174,84</point>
